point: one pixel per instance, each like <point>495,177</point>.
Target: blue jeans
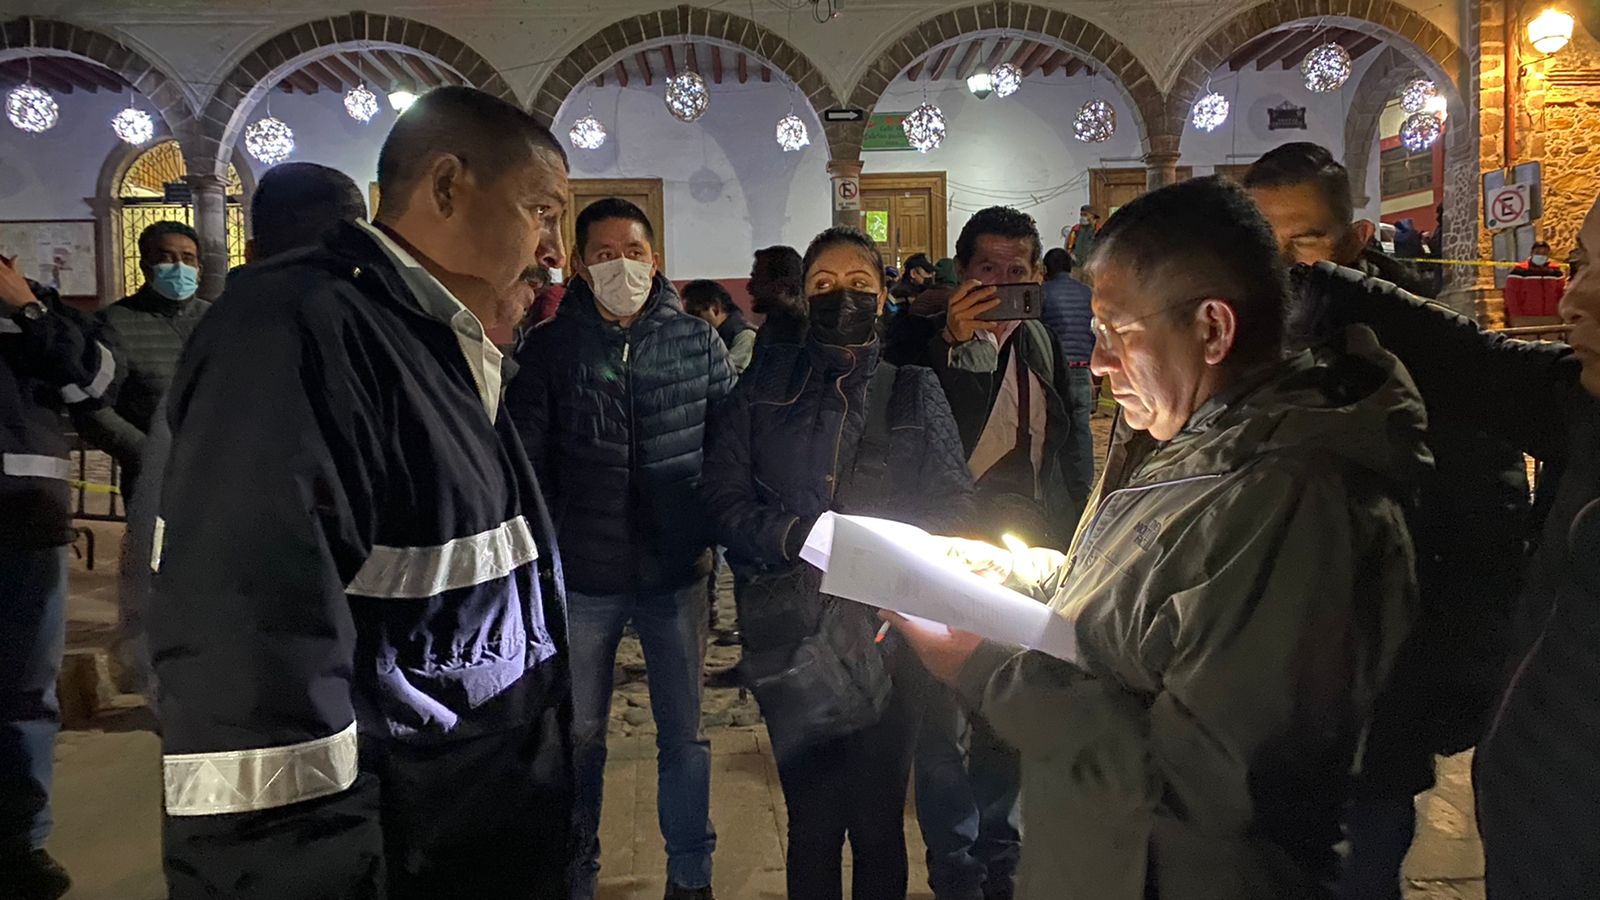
<point>33,632</point>
<point>1080,446</point>
<point>967,803</point>
<point>671,626</point>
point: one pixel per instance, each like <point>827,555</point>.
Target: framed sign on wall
<point>57,253</point>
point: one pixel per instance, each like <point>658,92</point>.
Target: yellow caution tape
<point>94,487</point>
<point>1485,263</point>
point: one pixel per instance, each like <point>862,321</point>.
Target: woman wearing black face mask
<point>819,426</point>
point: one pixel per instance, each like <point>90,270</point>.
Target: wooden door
<point>1111,189</point>
<point>905,214</point>
<point>644,193</point>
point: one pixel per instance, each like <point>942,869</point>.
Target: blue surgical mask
<point>175,281</point>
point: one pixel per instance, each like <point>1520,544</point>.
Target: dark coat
<point>48,364</point>
<point>1536,782</point>
<point>354,548</point>
<point>1066,313</point>
<point>614,421</point>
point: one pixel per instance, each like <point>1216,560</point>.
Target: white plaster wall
<point>47,176</point>
<point>1018,151</point>
<point>728,188</point>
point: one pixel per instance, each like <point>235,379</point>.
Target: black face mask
<point>843,318</point>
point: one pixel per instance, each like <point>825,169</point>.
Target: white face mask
<point>621,285</point>
<point>1540,259</point>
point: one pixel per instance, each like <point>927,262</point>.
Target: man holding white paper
<point>1239,587</point>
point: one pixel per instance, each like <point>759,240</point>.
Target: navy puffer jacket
<point>614,421</point>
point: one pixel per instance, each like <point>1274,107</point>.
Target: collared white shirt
<point>483,357</point>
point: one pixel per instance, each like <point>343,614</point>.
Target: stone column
<point>845,177</point>
<point>211,221</point>
<point>108,249</point>
<point>1161,161</point>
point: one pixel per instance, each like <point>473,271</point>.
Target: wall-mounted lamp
<point>1550,31</point>
<point>981,83</point>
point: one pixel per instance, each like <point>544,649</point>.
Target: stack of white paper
<point>892,565</point>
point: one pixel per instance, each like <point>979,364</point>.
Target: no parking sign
<point>1508,206</point>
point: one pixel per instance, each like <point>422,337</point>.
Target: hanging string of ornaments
<point>687,97</point>
<point>1425,108</point>
<point>1326,68</point>
<point>1210,112</point>
<point>361,103</point>
<point>1095,122</point>
<point>269,140</point>
<point>587,133</point>
<point>792,134</point>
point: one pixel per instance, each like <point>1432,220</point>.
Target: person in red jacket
<point>1534,288</point>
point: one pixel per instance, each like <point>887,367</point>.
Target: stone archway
<point>242,88</point>
<point>1379,84</point>
<point>152,80</point>
<point>1417,40</point>
<point>1025,19</point>
<point>684,21</point>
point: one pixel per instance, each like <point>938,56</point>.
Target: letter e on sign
<point>1507,207</point>
<point>846,193</point>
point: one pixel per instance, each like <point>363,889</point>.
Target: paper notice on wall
<point>892,565</point>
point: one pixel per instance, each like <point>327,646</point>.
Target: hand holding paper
<point>899,567</point>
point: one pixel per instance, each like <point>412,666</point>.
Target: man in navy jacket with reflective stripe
<point>49,360</point>
<point>358,627</point>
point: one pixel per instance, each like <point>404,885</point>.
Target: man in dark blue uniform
<point>358,629</point>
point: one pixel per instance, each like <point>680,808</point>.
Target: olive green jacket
<point>1239,593</point>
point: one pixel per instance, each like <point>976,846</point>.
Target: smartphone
<point>1017,301</point>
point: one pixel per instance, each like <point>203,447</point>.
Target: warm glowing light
<point>1550,31</point>
<point>401,100</point>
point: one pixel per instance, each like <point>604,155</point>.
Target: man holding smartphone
<point>1006,381</point>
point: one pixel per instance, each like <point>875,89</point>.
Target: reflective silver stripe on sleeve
<point>239,781</point>
<point>30,465</point>
<point>9,327</point>
<point>102,379</point>
<point>417,572</point>
<point>158,540</point>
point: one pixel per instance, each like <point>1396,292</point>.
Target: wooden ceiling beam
<point>716,64</point>
<point>425,77</point>
<point>942,63</point>
<point>325,77</point>
<point>1293,53</point>
<point>744,68</point>
<point>1054,61</point>
<point>693,61</point>
<point>997,53</point>
<point>95,76</point>
<point>378,63</point>
<point>766,73</point>
<point>622,73</point>
<point>644,68</point>
<point>913,73</point>
<point>669,61</point>
<point>47,76</point>
<point>969,61</point>
<point>1031,62</point>
<point>1362,46</point>
<point>302,82</point>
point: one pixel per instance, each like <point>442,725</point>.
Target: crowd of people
<point>380,567</point>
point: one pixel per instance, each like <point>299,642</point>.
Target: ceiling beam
<point>693,62</point>
<point>426,78</point>
<point>47,76</point>
<point>744,68</point>
<point>915,72</point>
<point>942,63</point>
<point>1074,66</point>
<point>600,80</point>
<point>97,75</point>
<point>622,73</point>
<point>1264,49</point>
<point>377,62</point>
<point>324,76</point>
<point>1024,50</point>
<point>716,64</point>
<point>997,53</point>
<point>441,74</point>
<point>343,70</point>
<point>302,82</point>
<point>1032,61</point>
<point>969,61</point>
<point>1053,62</point>
<point>669,61</point>
<point>644,68</point>
<point>766,73</point>
<point>1366,44</point>
<point>1295,52</point>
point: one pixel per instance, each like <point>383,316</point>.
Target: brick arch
<point>160,87</point>
<point>1022,19</point>
<point>1419,40</point>
<point>1379,84</point>
<point>682,21</point>
<point>241,89</point>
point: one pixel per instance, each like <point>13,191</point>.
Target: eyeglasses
<point>1104,333</point>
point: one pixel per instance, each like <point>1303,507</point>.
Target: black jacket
<point>353,548</point>
<point>1470,527</point>
<point>792,442</point>
<point>55,362</point>
<point>1537,787</point>
<point>614,421</point>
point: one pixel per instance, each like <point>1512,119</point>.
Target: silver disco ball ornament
<point>1210,112</point>
<point>924,127</point>
<point>792,134</point>
<point>687,97</point>
<point>1006,79</point>
<point>587,134</point>
<point>269,140</point>
<point>1415,95</point>
<point>133,125</point>
<point>1096,122</point>
<point>32,109</point>
<point>1420,130</point>
<point>1326,68</point>
<point>361,103</point>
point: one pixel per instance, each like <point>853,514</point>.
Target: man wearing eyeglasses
<point>1240,584</point>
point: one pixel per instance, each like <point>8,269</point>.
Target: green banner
<point>884,132</point>
<point>877,221</point>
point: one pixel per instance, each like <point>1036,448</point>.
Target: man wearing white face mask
<point>612,402</point>
<point>150,327</point>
